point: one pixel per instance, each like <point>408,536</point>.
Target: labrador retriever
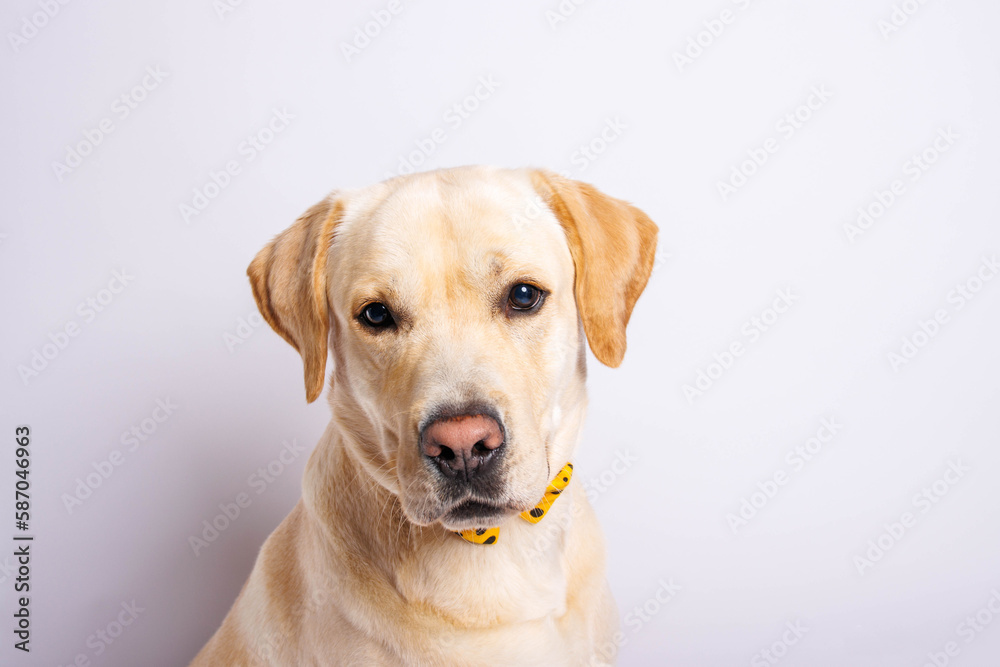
<point>438,523</point>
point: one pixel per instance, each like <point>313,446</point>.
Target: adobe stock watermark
<point>660,260</point>
<point>245,327</point>
<point>596,487</point>
<point>101,639</point>
<point>968,630</point>
<point>635,620</point>
<point>922,501</point>
<point>121,108</point>
<point>797,458</point>
<point>750,333</point>
<point>585,155</point>
<point>132,439</point>
<point>224,8</point>
<point>32,24</point>
<point>8,568</point>
<point>533,210</point>
<point>364,34</point>
<point>88,310</point>
<point>712,29</point>
<point>787,126</point>
<point>591,150</point>
<point>231,510</point>
<point>779,648</point>
<point>549,532</point>
<point>912,170</point>
<point>247,151</point>
<point>454,117</point>
<point>562,12</point>
<point>900,15</point>
<point>269,646</point>
<point>957,298</point>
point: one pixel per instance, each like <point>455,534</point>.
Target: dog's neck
<point>431,567</point>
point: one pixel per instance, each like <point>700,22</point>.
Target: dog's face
<point>452,302</point>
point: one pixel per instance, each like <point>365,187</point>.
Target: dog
<point>439,524</point>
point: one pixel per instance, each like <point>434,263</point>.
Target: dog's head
<point>455,304</point>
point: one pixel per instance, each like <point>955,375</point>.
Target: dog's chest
<point>483,586</point>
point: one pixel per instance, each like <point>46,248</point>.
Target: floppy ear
<point>289,283</point>
<point>613,246</point>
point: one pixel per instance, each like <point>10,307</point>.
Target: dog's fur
<point>366,570</point>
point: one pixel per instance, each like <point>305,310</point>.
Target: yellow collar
<point>534,515</point>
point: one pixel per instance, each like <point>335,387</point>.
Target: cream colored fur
<point>366,569</point>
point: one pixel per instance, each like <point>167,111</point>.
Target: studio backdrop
<point>796,463</point>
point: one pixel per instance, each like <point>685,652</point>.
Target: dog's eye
<point>524,297</point>
<point>376,315</point>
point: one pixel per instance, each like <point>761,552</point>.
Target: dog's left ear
<point>288,278</point>
<point>613,245</point>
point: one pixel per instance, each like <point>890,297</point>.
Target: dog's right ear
<point>288,278</point>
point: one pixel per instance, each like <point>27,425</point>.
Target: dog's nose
<point>464,446</point>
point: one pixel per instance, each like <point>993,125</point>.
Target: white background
<point>168,333</point>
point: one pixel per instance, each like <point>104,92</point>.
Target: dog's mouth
<point>471,513</point>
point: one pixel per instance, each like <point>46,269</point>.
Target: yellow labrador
<point>438,524</point>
